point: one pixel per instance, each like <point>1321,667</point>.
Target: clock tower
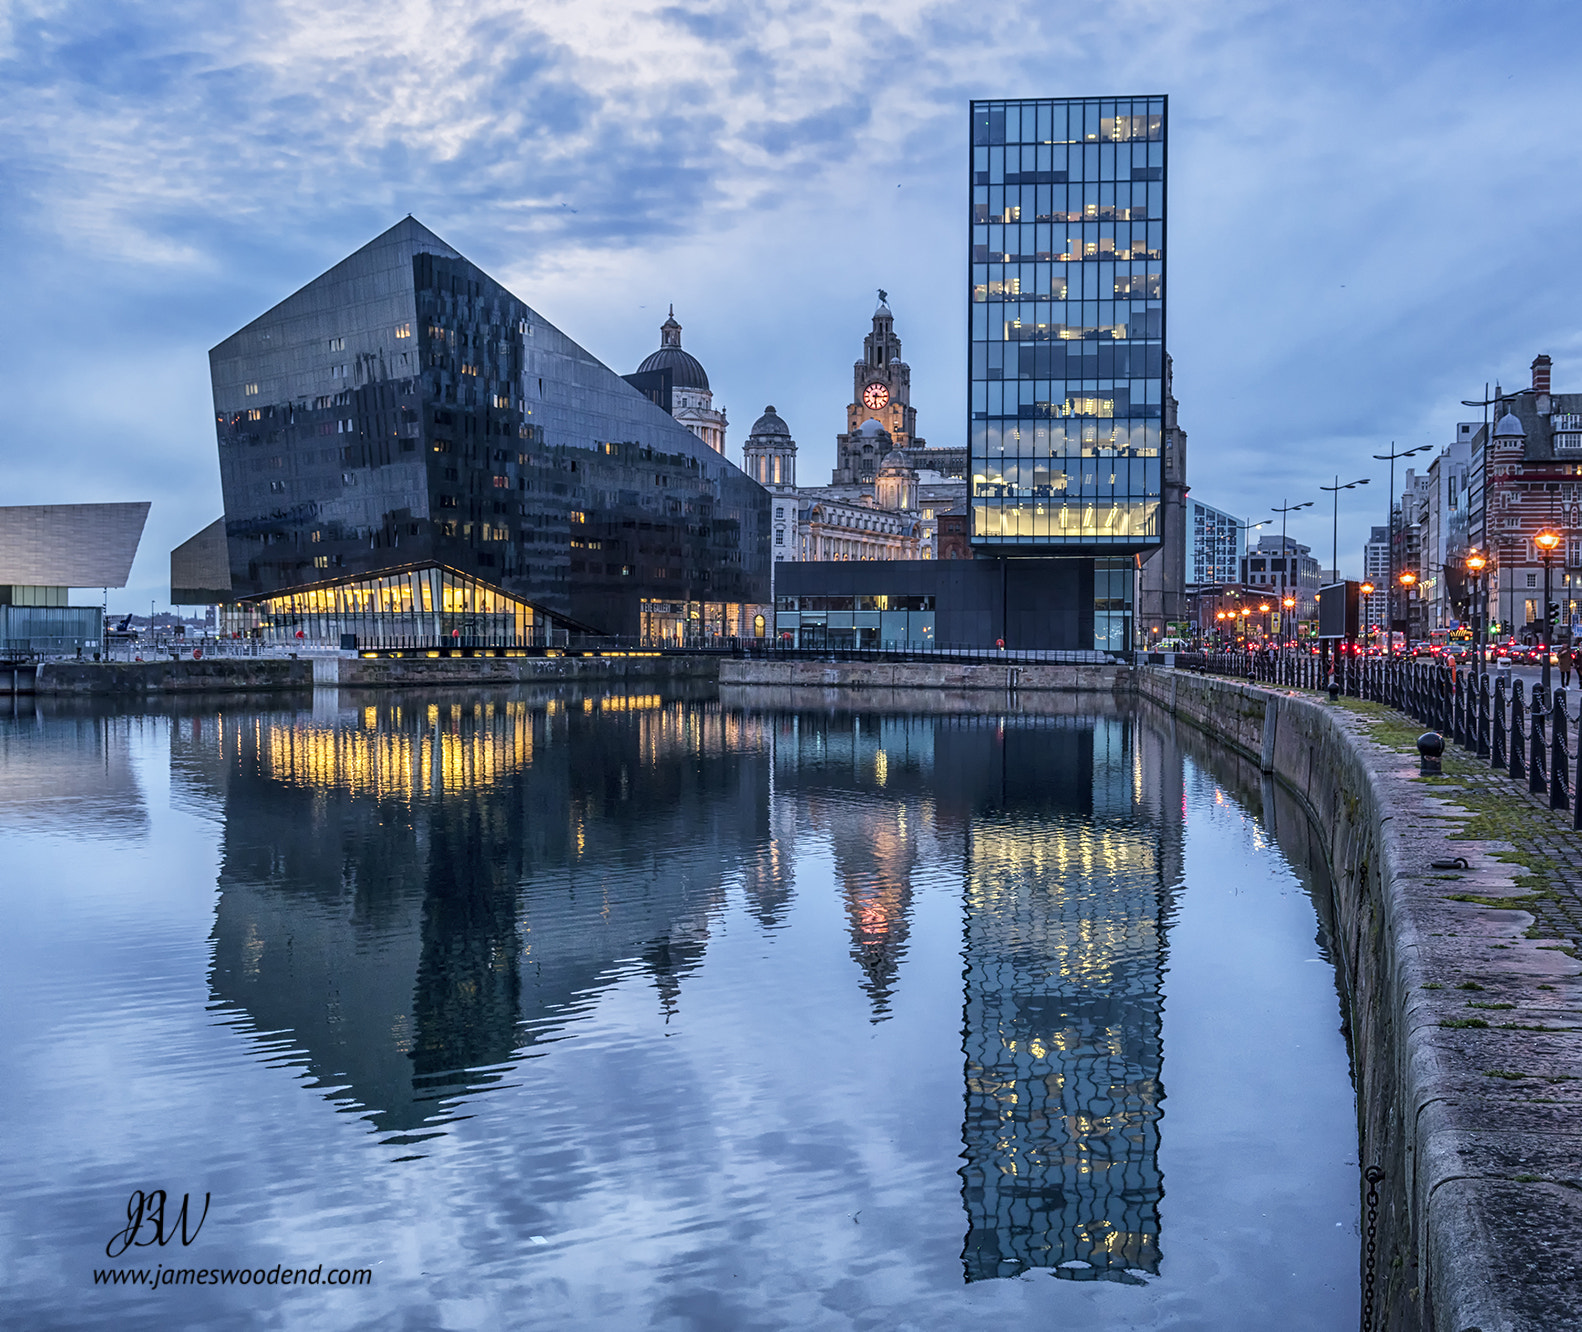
<point>881,392</point>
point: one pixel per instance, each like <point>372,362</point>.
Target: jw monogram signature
<point>150,1220</point>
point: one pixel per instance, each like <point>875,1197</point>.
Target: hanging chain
<point>1373,1174</point>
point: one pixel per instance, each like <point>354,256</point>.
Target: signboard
<point>1339,610</point>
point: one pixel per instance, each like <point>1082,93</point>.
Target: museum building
<point>411,454</point>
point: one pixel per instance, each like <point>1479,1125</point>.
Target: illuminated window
<point>337,344</point>
<point>502,483</point>
<point>577,516</point>
<point>321,561</point>
<point>249,390</point>
<point>403,330</point>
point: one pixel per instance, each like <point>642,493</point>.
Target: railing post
<point>1559,760</point>
<point>1536,781</point>
<point>1497,757</point>
<point>1518,764</point>
<point>1481,684</point>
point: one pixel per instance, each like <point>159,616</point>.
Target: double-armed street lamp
<point>1547,541</point>
<point>1285,555</point>
<point>1334,519</point>
<point>1389,597</point>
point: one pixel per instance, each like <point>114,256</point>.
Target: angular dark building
<point>408,449</point>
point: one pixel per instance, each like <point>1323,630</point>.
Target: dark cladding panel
<point>1033,604</point>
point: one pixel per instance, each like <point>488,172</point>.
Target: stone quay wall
<point>251,674</point>
<point>1471,1112</point>
<point>1011,676</point>
<point>184,676</point>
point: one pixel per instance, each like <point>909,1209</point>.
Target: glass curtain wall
<point>423,607</point>
<point>880,621</point>
<point>1067,322</point>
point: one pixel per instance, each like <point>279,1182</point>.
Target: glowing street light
<point>1547,541</point>
<point>1476,563</point>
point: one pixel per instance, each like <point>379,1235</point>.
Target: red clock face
<point>875,396</point>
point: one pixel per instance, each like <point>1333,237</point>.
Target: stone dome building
<point>769,455</point>
<point>692,401</point>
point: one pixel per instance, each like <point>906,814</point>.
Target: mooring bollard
<point>1430,749</point>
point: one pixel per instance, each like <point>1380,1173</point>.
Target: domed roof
<point>870,428</point>
<point>1509,426</point>
<point>896,462</point>
<point>770,423</point>
<point>685,372</point>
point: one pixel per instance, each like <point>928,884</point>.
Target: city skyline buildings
<point>759,197</point>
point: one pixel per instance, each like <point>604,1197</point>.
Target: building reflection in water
<point>1068,831</point>
<point>1069,880</point>
<point>414,896</point>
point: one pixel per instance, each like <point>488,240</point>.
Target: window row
<point>1085,521</point>
<point>1112,240</point>
<point>1088,120</point>
<point>1042,283</point>
<point>1000,477</point>
<point>1038,399</point>
<point>1067,360</point>
<point>1061,165</point>
<point>1034,439</point>
<point>1112,201</point>
<point>1072,321</point>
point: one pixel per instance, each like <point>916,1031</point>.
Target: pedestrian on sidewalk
<point>1564,658</point>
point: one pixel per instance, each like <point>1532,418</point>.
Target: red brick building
<point>1533,480</point>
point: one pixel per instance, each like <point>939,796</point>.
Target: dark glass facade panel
<point>1067,322</point>
<point>404,408</point>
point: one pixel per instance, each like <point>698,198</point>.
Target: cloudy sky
<point>1374,206</point>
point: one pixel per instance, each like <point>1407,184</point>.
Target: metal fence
<point>1526,733</point>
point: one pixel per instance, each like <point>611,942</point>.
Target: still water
<point>609,1010</point>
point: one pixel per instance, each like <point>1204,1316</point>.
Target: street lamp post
<point>1285,554</point>
<point>1389,596</point>
<point>1334,536</point>
<point>1476,562</point>
<point>1546,541</point>
<point>1367,610</point>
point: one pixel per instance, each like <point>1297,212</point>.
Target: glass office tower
<point>1067,360</point>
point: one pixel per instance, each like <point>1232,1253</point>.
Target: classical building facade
<point>887,488</point>
<point>881,395</point>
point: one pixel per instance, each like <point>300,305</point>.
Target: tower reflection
<point>1068,882</point>
<point>1066,832</point>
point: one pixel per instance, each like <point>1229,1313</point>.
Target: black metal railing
<point>1524,732</point>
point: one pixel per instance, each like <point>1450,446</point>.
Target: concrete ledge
<point>1074,677</point>
<point>1480,1216</point>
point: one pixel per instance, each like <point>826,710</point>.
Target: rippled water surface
<point>612,1010</point>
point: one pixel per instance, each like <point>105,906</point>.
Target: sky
<point>1373,208</point>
